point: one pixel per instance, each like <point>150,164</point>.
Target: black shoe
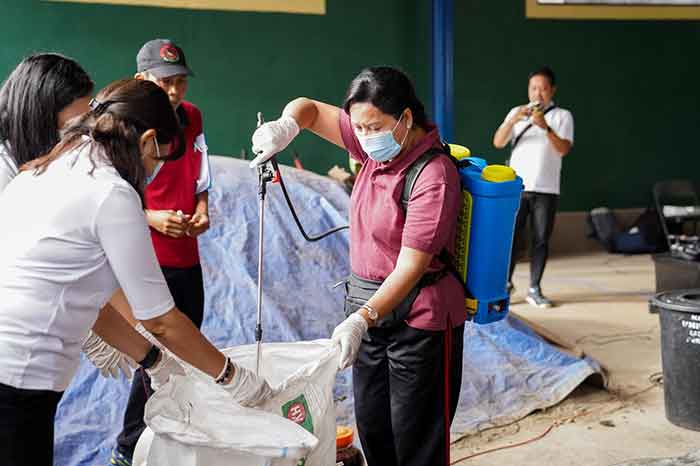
<point>537,299</point>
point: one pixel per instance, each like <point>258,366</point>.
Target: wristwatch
<point>371,312</point>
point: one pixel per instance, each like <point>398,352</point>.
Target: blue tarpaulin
<point>509,371</point>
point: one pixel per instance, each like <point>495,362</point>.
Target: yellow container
<point>497,173</point>
<point>459,152</point>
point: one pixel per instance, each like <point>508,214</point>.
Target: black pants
<point>26,426</point>
<point>541,209</point>
<point>400,390</point>
<point>187,288</point>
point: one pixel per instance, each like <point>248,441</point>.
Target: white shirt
<point>8,168</point>
<point>68,240</point>
<point>535,159</point>
<point>204,180</point>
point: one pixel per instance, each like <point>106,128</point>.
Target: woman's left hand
<point>348,334</point>
<point>247,388</point>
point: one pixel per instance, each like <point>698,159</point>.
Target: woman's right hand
<point>273,137</point>
<point>161,372</point>
<point>247,388</point>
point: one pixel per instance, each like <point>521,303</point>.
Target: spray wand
<point>265,175</point>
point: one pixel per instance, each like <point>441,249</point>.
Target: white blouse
<point>70,237</point>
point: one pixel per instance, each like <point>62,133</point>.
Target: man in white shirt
<point>540,134</point>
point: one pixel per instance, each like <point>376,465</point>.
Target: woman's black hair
<point>388,89</point>
<point>121,113</point>
<point>30,99</point>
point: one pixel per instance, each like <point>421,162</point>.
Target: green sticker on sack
<point>297,411</point>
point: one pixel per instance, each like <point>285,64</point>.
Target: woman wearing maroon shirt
<point>406,374</point>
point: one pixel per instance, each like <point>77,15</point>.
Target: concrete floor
<point>602,306</point>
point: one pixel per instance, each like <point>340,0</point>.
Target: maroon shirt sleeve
<point>349,139</point>
<point>433,208</point>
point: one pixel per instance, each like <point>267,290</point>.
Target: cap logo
<point>169,53</point>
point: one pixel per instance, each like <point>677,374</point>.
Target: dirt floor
<point>602,306</point>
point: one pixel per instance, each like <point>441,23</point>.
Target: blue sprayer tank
<point>490,202</point>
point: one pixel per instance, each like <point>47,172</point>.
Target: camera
<point>534,106</point>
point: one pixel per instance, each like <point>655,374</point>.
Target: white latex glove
<point>348,334</point>
<point>107,358</point>
<point>161,372</point>
<point>273,137</point>
<point>247,388</point>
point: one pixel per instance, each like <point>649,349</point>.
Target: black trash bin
<point>679,312</point>
<point>674,273</point>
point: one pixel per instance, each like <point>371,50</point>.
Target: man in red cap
<point>176,203</point>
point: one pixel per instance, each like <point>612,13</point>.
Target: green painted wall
<point>244,62</point>
<point>630,85</point>
<point>632,88</point>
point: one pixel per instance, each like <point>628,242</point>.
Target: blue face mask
<point>382,147</point>
<point>152,176</point>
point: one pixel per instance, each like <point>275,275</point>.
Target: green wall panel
<point>631,85</point>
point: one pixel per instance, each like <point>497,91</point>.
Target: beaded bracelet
<point>225,372</point>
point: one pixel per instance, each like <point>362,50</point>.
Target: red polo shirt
<point>379,228</point>
<point>175,188</point>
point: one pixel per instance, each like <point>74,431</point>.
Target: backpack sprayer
<point>485,228</point>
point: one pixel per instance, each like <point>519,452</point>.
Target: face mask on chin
<point>382,147</point>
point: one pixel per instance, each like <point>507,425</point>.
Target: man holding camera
<point>540,135</point>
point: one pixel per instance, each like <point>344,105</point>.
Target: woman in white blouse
<point>74,233</point>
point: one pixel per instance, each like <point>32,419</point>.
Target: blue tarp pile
<point>509,371</point>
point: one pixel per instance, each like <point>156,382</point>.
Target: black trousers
<point>540,209</point>
<point>26,426</point>
<point>406,384</point>
<point>187,288</point>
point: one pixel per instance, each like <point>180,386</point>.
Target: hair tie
<point>98,107</point>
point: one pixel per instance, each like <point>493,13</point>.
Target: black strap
<point>515,141</point>
<point>416,169</point>
<point>412,175</point>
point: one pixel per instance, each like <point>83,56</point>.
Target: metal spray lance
<point>265,175</point>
